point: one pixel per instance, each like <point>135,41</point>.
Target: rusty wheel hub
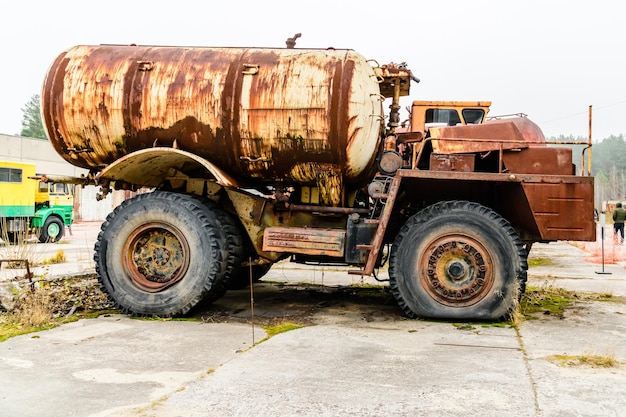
<point>156,256</point>
<point>456,270</point>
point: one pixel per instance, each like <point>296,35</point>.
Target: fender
<point>42,215</point>
<point>151,167</point>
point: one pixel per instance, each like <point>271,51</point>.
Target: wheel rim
<point>53,230</point>
<point>156,256</point>
<point>456,270</point>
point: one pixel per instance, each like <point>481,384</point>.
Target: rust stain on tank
<point>326,176</point>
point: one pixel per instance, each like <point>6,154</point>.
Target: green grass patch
<point>58,258</point>
<point>546,300</point>
<point>551,300</point>
<point>539,262</point>
<point>586,359</point>
<point>8,330</point>
<point>273,330</point>
<point>484,325</point>
<point>94,314</point>
<point>11,328</point>
<point>608,297</point>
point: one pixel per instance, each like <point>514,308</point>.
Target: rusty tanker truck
<point>244,157</point>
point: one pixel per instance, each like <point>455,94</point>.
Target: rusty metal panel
<point>563,211</point>
<point>454,162</point>
<point>251,112</point>
<point>540,160</point>
<point>514,133</point>
<point>151,167</point>
<point>561,206</point>
<point>357,234</point>
<point>322,242</point>
<point>495,177</point>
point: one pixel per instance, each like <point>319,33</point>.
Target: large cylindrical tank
<point>269,114</point>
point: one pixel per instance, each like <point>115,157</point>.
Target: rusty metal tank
<point>269,114</point>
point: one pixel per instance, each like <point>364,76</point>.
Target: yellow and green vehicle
<point>29,206</point>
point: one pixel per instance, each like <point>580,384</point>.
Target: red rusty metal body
<point>513,133</point>
<point>257,114</point>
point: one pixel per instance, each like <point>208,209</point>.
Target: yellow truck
<point>30,206</point>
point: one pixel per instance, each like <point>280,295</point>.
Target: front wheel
<point>457,260</point>
<point>52,231</point>
<point>160,254</point>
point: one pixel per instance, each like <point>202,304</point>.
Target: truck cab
<point>427,113</point>
<point>31,206</point>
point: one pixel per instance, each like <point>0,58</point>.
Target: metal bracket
<point>250,69</point>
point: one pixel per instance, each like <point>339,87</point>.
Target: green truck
<point>29,206</point>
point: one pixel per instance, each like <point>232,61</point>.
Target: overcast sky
<point>548,59</point>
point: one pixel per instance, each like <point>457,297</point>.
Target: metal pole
<point>251,299</point>
<point>589,141</point>
<point>602,222</point>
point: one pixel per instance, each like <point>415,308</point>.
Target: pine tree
<point>32,126</point>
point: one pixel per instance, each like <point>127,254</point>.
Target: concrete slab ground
<point>344,363</point>
<point>89,367</point>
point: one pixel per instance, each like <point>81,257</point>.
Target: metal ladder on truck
<point>382,206</point>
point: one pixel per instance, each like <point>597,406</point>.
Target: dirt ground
<point>270,303</point>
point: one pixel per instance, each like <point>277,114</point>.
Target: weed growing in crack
<point>58,258</point>
<point>589,359</point>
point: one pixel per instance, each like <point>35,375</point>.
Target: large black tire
<point>458,260</point>
<point>234,250</point>
<point>52,231</point>
<point>160,254</point>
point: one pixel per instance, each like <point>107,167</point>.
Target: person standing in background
<point>619,216</point>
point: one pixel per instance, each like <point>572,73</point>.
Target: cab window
<point>58,188</point>
<point>473,116</point>
<point>449,117</point>
<point>43,187</point>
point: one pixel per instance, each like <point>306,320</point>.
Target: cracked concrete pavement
<point>344,363</point>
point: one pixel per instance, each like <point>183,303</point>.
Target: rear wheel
<point>160,254</point>
<point>52,231</point>
<point>457,260</point>
<point>234,250</point>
